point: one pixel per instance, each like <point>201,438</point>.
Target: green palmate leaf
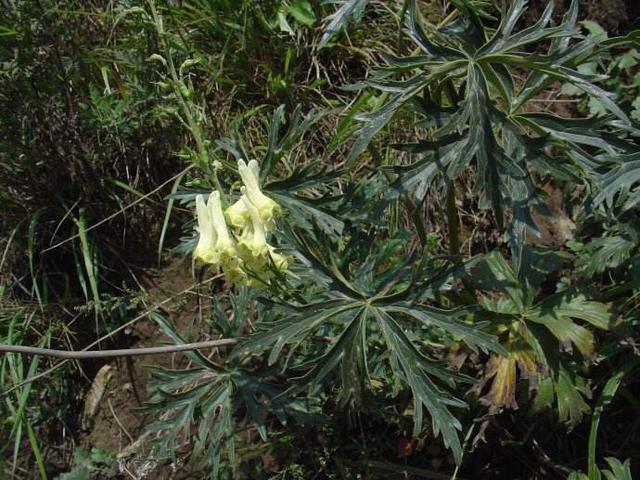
<point>199,405</point>
<point>365,300</point>
<point>450,322</point>
<point>492,272</point>
<point>565,330</point>
<point>618,470</point>
<point>570,390</point>
<point>301,323</point>
<point>607,252</point>
<point>620,181</point>
<point>349,339</point>
<point>188,398</point>
<point>407,362</point>
<point>472,119</point>
<point>536,329</point>
<point>306,213</point>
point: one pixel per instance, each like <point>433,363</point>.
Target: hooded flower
<point>251,259</point>
<point>225,248</point>
<point>253,240</point>
<point>215,245</point>
<point>238,214</point>
<point>205,250</point>
<point>250,174</point>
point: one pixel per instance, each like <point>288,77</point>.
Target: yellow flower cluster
<point>243,253</point>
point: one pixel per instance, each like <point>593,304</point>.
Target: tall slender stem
<point>125,352</point>
<point>413,210</point>
<point>194,127</point>
<point>453,220</point>
<point>403,14</point>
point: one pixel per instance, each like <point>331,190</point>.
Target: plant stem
<point>126,352</point>
<point>403,13</point>
<point>194,127</point>
<point>412,209</point>
<point>453,221</point>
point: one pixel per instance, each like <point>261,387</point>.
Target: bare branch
<point>127,352</point>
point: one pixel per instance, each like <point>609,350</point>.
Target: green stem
<point>403,13</point>
<point>412,209</point>
<point>453,221</point>
<point>194,127</point>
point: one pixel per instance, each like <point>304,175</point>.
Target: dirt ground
<point>116,425</point>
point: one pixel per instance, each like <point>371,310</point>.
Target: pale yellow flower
<point>238,214</point>
<point>281,262</point>
<point>215,245</point>
<point>235,275</point>
<point>205,250</point>
<point>253,240</point>
<point>250,174</point>
<point>251,259</point>
<point>225,249</point>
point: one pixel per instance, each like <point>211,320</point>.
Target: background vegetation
<point>459,186</point>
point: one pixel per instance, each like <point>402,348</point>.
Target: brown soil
<point>615,16</point>
<point>116,426</point>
